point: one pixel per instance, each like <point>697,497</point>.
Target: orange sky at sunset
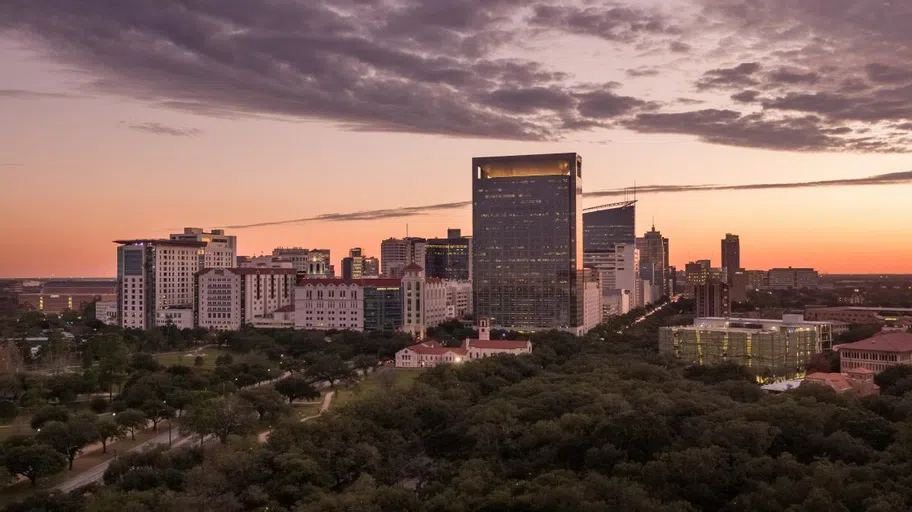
<point>89,155</point>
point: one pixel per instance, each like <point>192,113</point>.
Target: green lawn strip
<point>402,378</point>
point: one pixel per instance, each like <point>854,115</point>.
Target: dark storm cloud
<point>739,76</point>
<point>161,129</point>
<point>435,67</point>
<point>898,178</point>
<point>757,130</point>
<point>610,21</point>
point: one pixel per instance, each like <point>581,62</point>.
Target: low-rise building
<point>431,353</point>
<point>825,330</point>
<point>793,278</point>
<point>773,351</point>
<point>859,381</point>
<point>178,316</point>
<point>282,318</point>
<point>877,353</point>
<point>59,295</point>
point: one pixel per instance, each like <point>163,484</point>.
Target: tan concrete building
<point>424,301</point>
<point>323,304</point>
<point>229,298</point>
<point>877,353</point>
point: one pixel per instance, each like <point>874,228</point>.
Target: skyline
<point>174,115</point>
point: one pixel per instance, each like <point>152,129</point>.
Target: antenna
<point>634,190</point>
<point>406,230</point>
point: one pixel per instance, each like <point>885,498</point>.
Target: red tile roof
<point>498,344</point>
<point>432,348</point>
<point>413,266</point>
<point>837,381</point>
<point>897,341</point>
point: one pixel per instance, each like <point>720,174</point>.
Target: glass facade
<point>449,258</point>
<point>382,308</point>
<point>607,225</point>
<point>527,240</point>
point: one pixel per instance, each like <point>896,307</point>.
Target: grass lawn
<point>394,378</point>
<point>187,358</point>
<point>21,489</point>
<point>305,409</point>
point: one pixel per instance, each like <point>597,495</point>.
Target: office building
<point>229,298</point>
<point>793,278</point>
<point>697,272</point>
<point>449,258</point>
<point>654,260</point>
<point>312,263</point>
<point>59,295</point>
<point>756,279</point>
<point>607,225</point>
<point>768,350</point>
<point>382,304</point>
<point>371,267</point>
<point>459,299</point>
<point>877,353</point>
<point>220,250</point>
<point>731,253</point>
<point>593,301</point>
<point>323,304</point>
<point>712,299</point>
<point>825,331</point>
<point>527,243</point>
<point>618,273</point>
<point>155,280</point>
<point>397,253</point>
<point>424,301</point>
<point>737,280</point>
<point>353,265</point>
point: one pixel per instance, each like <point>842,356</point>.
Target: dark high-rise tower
<point>604,226</point>
<point>450,257</point>
<point>528,241</point>
<point>731,253</point>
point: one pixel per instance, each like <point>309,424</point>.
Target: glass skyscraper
<point>450,257</point>
<point>604,226</point>
<point>528,241</point>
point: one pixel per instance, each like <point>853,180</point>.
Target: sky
<point>135,118</point>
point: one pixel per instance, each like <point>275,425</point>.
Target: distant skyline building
<point>606,225</point>
<point>449,258</point>
<point>654,259</point>
<point>793,278</point>
<point>731,253</point>
<point>397,253</point>
<point>313,263</point>
<point>353,265</point>
<point>712,299</point>
<point>527,249</point>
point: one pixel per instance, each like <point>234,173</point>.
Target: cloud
<point>897,178</point>
<point>160,129</point>
<point>791,75</point>
<point>24,94</point>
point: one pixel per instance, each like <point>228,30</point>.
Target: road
<point>649,313</point>
<point>97,472</point>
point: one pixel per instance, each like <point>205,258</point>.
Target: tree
<point>145,361</point>
<point>221,417</point>
<point>98,404</point>
<point>295,387</point>
<point>34,462</point>
<point>131,420</point>
<point>198,361</point>
<point>50,501</point>
<point>113,362</point>
<point>266,401</point>
<point>156,411</point>
<point>10,358</point>
<point>49,413</point>
<point>68,438</point>
<point>329,368</point>
<point>364,363</point>
<point>8,410</point>
<point>59,351</point>
<point>108,430</point>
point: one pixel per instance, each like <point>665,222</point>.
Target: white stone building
<point>323,304</point>
<point>459,299</point>
<point>180,317</point>
<point>593,305</point>
<point>106,312</point>
<point>230,298</point>
<point>220,250</point>
<point>424,302</point>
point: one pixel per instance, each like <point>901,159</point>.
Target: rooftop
<point>366,282</point>
<point>162,241</point>
<point>432,348</point>
<point>896,341</point>
<point>498,344</point>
